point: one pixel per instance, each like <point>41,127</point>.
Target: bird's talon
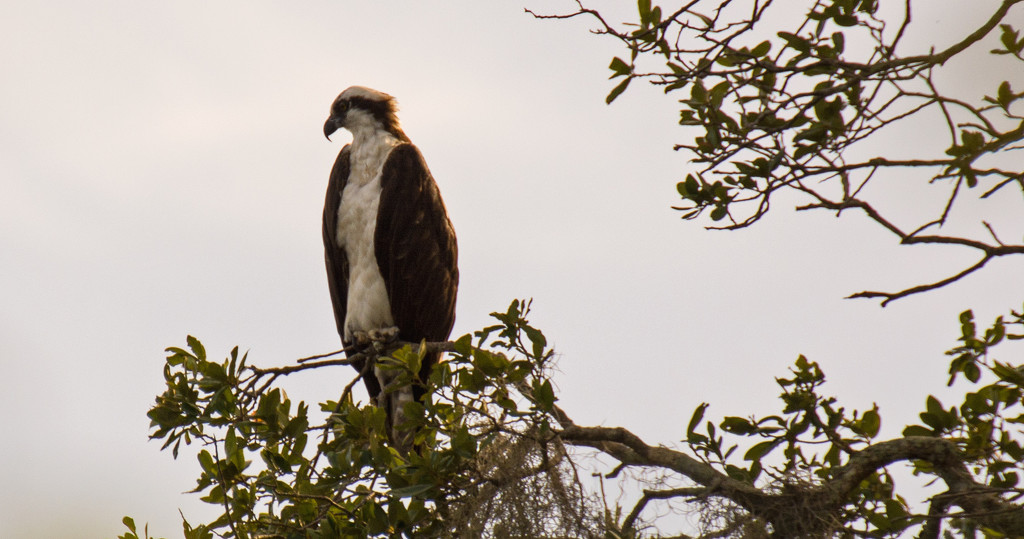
<point>384,335</point>
<point>361,338</point>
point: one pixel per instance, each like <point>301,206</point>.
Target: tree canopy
<point>832,106</point>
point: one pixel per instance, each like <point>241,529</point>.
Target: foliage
<point>494,456</point>
<point>822,444</point>
<point>821,106</point>
<point>484,435</point>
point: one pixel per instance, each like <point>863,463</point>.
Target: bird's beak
<point>330,126</point>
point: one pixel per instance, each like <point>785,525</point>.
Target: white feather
<point>368,307</point>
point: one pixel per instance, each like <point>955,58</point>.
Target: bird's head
<point>361,109</point>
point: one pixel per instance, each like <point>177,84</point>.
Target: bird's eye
<point>340,106</point>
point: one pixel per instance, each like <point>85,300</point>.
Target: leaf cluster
<point>491,455</point>
<point>274,473</point>
<point>813,444</point>
<point>986,425</point>
<point>813,109</point>
<point>802,448</point>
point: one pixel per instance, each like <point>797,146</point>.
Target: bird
<point>389,246</point>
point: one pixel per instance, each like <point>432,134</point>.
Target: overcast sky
<point>162,169</point>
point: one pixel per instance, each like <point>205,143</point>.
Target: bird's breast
<point>367,305</point>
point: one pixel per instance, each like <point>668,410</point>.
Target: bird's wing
<point>337,263</point>
<point>416,248</point>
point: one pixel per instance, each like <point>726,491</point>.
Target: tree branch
<point>978,502</point>
<point>630,449</point>
<point>990,251</point>
<point>936,512</point>
<point>690,492</point>
<point>890,296</point>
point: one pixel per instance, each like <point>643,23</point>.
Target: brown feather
<point>416,252</point>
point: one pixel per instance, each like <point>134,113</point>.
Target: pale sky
<point>162,170</point>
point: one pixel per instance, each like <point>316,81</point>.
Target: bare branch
<point>321,356</point>
<point>688,492</point>
<point>989,251</point>
<point>628,448</point>
<point>890,296</point>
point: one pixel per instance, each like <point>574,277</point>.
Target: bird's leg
<point>393,396</point>
<point>399,434</point>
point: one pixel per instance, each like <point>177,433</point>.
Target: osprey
<point>389,246</point>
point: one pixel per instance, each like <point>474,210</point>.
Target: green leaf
<point>718,213</point>
<point>617,91</point>
<point>1005,94</point>
<point>972,372</point>
<point>692,185</point>
<point>972,140</point>
<point>967,328</point>
<point>490,363</point>
<point>231,444</point>
<point>738,425</point>
<point>918,430</point>
<point>544,394</point>
<point>838,42</point>
<point>1008,37</point>
<point>178,356</point>
<point>868,6</point>
<point>796,42</point>
<point>412,490</point>
<point>197,347</point>
<point>681,188</point>
<point>1008,373</point>
<point>536,339</point>
<point>207,463</point>
<point>870,423</point>
<point>375,517</point>
<point>895,510</point>
<point>761,49</point>
<point>845,20</point>
<point>464,344</point>
<point>619,67</point>
<point>695,419</point>
<point>760,449</point>
<point>740,474</point>
<point>644,8</point>
<point>199,532</point>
